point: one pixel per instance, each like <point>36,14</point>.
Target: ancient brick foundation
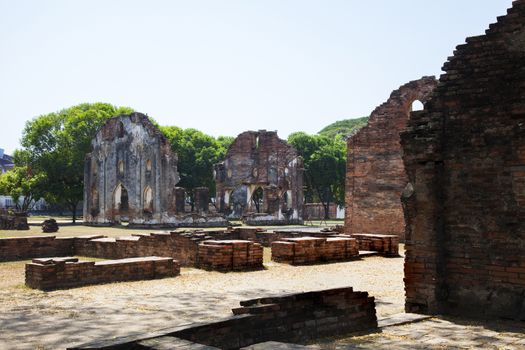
<point>465,159</point>
<point>55,273</point>
<point>387,245</point>
<point>311,250</point>
<point>295,318</point>
<point>182,246</point>
<point>230,255</point>
<point>35,247</point>
<point>375,174</point>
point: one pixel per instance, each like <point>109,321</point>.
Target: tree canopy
<point>345,127</point>
<point>22,183</point>
<point>197,153</point>
<point>56,145</point>
<point>324,164</point>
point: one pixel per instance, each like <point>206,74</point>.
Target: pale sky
<point>224,66</point>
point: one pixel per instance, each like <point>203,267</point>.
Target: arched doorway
<point>257,199</point>
<point>121,201</point>
<point>148,200</point>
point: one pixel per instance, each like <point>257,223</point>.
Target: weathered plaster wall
<point>261,160</point>
<point>375,174</point>
<point>130,174</point>
<point>465,158</point>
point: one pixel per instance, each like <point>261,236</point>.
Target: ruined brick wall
<point>375,174</point>
<point>293,318</point>
<point>228,255</point>
<point>261,160</point>
<point>311,250</point>
<point>47,274</point>
<point>130,174</point>
<point>465,158</point>
<point>35,247</point>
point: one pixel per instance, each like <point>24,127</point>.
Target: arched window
<point>121,199</point>
<point>148,165</point>
<point>120,129</point>
<point>417,106</point>
<point>121,167</point>
<point>148,200</point>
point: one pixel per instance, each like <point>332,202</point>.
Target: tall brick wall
<point>465,158</point>
<point>375,174</point>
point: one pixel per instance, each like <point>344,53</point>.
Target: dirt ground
<point>31,319</point>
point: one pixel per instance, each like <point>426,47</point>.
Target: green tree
<point>345,127</point>
<point>197,154</point>
<point>21,183</point>
<point>57,144</point>
<point>324,164</point>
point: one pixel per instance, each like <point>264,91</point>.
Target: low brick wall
<point>34,247</point>
<point>387,245</point>
<point>295,318</point>
<point>230,255</point>
<point>182,246</point>
<point>309,250</point>
<point>55,273</point>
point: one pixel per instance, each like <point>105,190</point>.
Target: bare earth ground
<point>31,319</point>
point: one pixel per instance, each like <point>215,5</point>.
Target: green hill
<point>344,127</point>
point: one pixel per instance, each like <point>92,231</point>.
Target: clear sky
<point>224,66</point>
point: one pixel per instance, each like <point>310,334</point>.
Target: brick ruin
<point>375,174</point>
<point>13,220</point>
<point>261,180</point>
<point>296,318</point>
<point>223,251</point>
<point>55,273</point>
<point>131,175</point>
<point>314,250</point>
<point>465,159</point>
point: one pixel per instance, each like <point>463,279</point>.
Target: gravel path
<point>32,319</point>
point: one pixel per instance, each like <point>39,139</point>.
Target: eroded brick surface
<point>465,158</point>
<point>375,174</point>
<point>261,180</point>
<point>310,250</point>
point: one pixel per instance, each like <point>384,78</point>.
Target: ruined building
<point>465,159</point>
<point>131,174</point>
<point>375,174</point>
<point>261,180</point>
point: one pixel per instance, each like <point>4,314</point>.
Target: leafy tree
<point>57,144</point>
<point>345,127</point>
<point>197,153</point>
<point>24,186</point>
<point>324,164</point>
